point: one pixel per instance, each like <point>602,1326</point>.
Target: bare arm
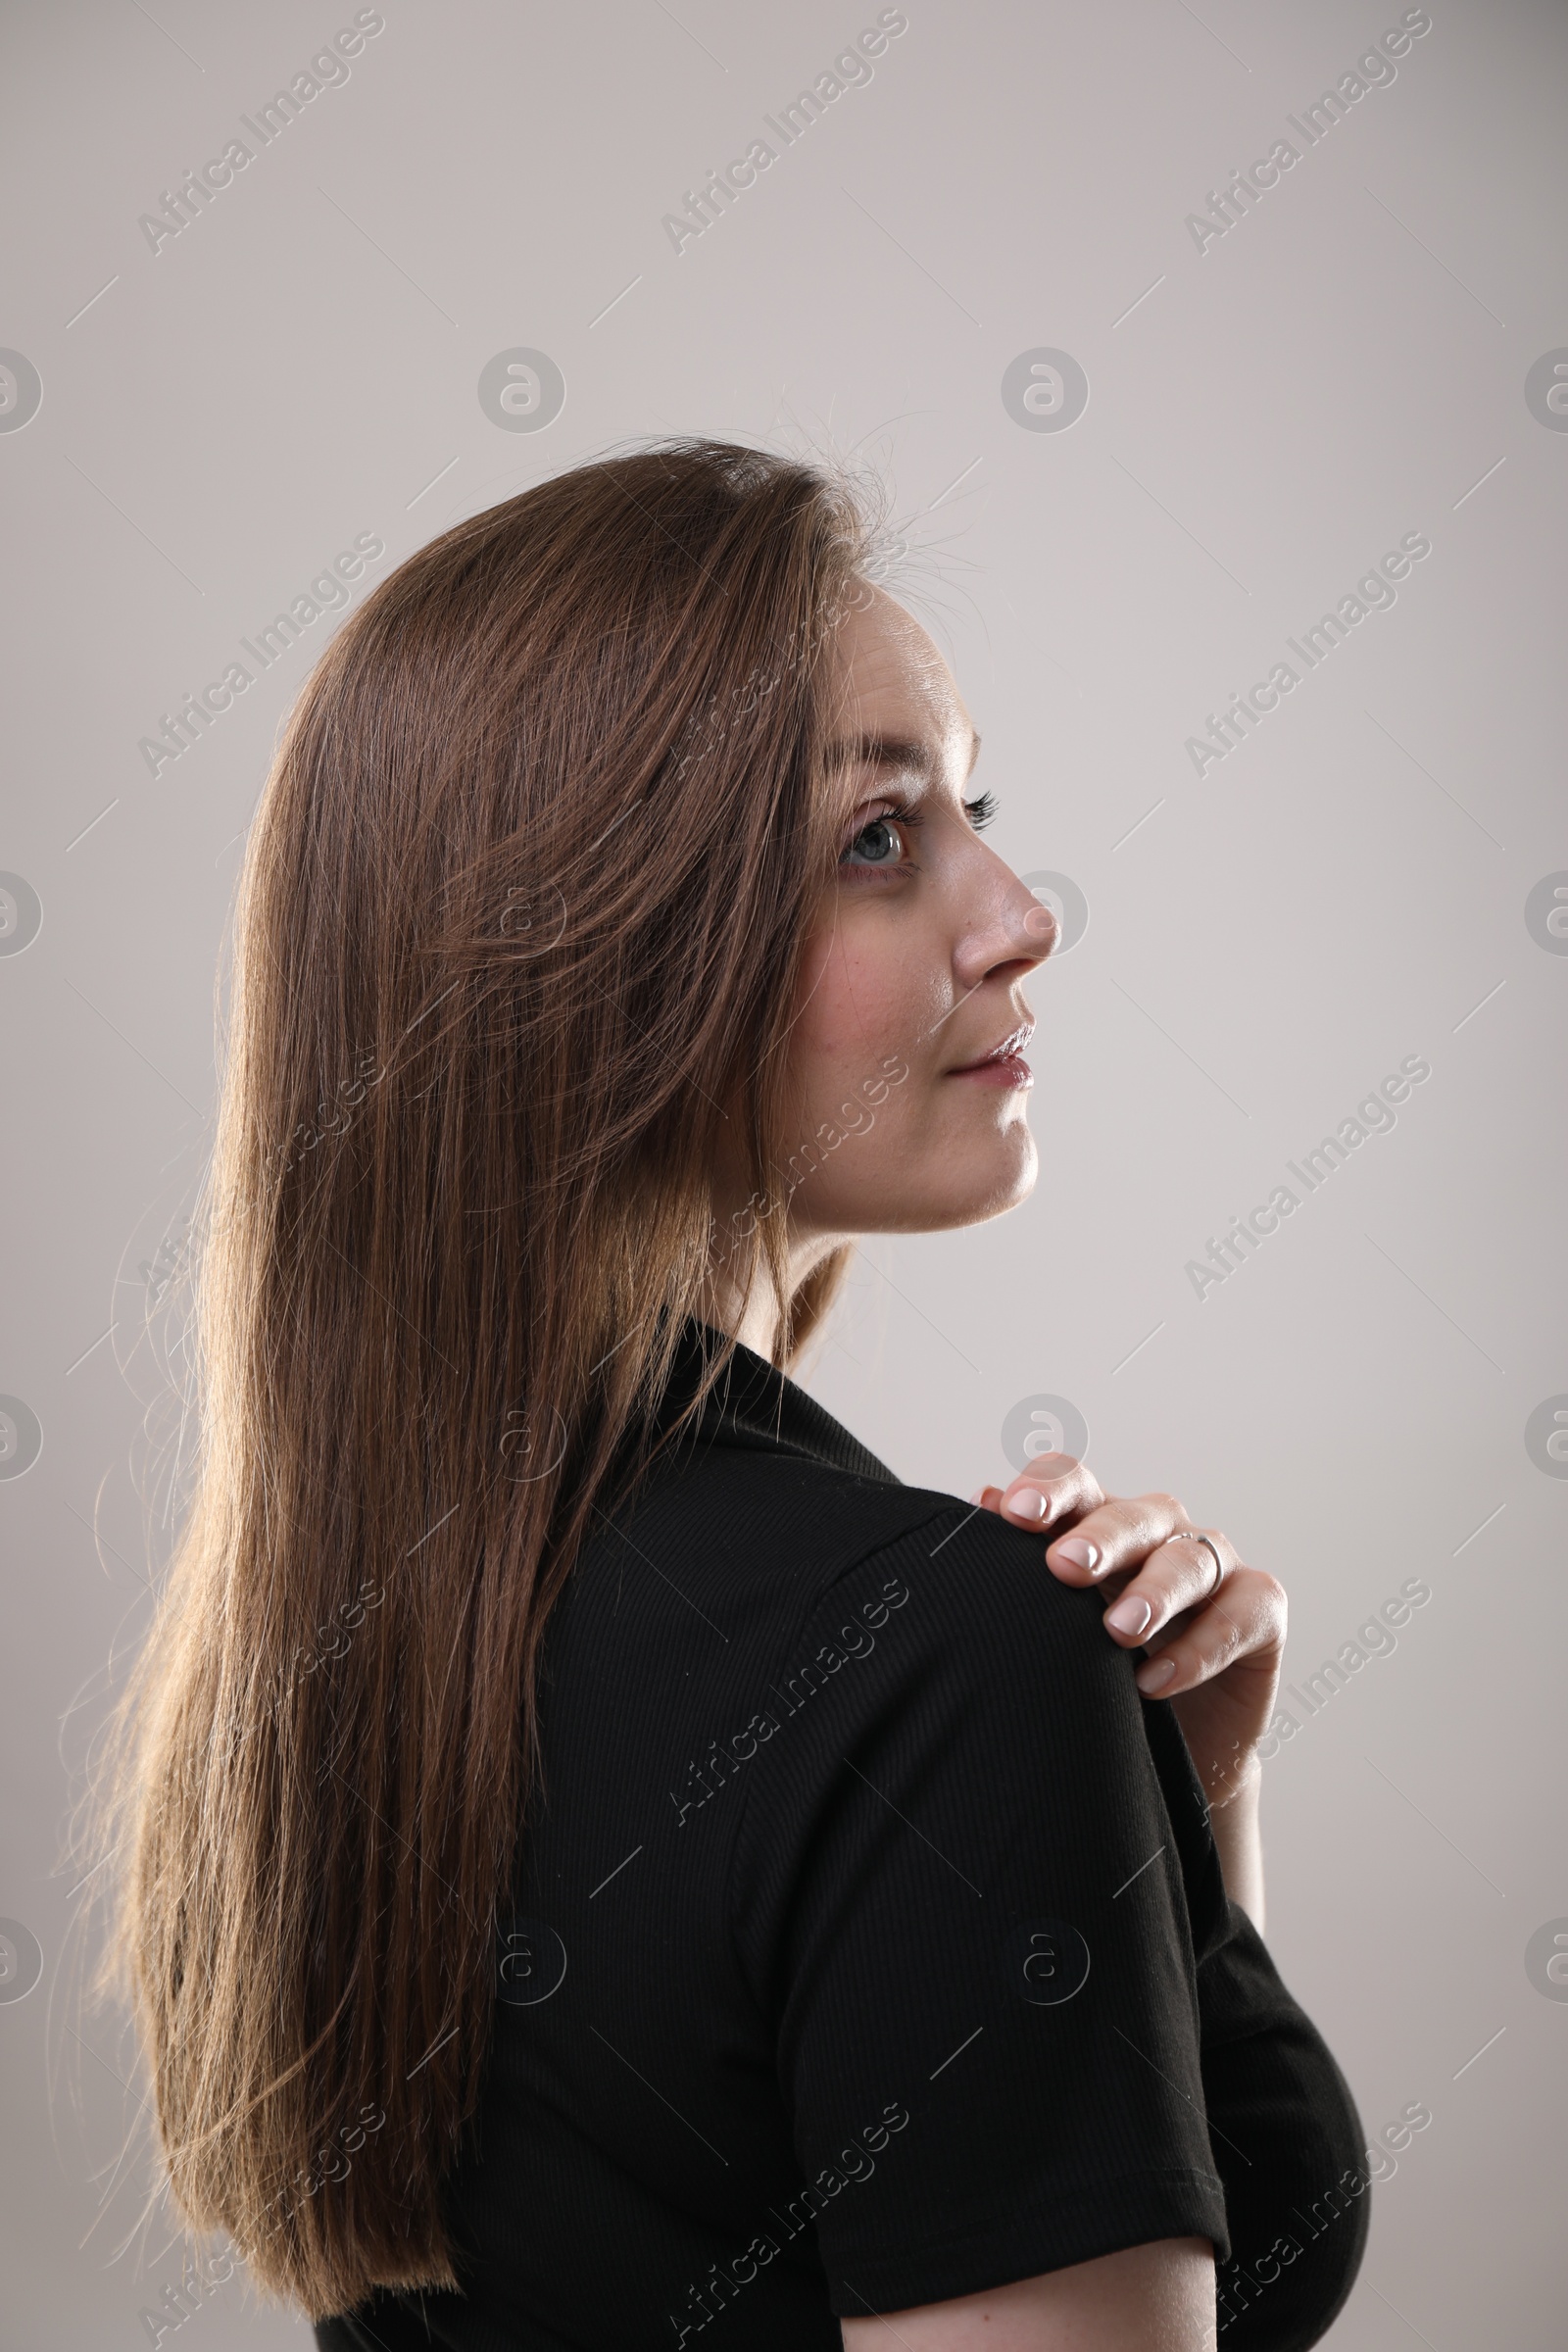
<point>1153,2298</point>
<point>1239,1841</point>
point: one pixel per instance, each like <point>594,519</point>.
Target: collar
<point>753,1404</point>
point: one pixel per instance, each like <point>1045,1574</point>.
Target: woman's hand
<point>1214,1642</point>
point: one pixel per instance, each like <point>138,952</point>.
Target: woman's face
<point>914,967</point>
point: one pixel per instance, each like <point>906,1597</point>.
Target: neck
<point>753,1318</point>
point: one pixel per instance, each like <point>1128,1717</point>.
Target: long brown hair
<point>517,944</point>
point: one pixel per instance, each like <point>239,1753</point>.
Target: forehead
<point>890,677</point>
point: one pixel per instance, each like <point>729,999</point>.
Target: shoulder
<point>977,1597</point>
<point>819,1542</point>
<point>954,1758</point>
<point>948,1650</point>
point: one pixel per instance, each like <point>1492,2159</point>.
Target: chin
<point>1010,1185</point>
<point>965,1188</point>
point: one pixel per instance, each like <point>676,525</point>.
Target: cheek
<point>867,990</point>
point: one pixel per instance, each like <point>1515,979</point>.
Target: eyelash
<point>980,813</point>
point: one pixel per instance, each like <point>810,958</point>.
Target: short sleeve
<point>957,1893</point>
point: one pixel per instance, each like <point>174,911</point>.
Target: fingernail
<point>1077,1551</point>
<point>1027,1503</point>
<point>1130,1616</point>
<point>978,1496</point>
<point>1154,1676</point>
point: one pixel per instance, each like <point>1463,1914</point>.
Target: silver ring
<point>1219,1565</point>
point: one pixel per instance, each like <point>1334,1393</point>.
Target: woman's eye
<point>880,843</point>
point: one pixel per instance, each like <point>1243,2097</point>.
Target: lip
<point>1004,1063</point>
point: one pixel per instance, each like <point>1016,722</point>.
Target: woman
<point>612,1866</point>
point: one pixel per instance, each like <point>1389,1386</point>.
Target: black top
<point>871,1946</point>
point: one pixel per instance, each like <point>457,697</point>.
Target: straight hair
<point>517,940</point>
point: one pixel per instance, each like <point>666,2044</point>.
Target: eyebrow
<point>891,751</point>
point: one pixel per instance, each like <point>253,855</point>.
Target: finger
<point>1178,1575</point>
<point>987,1499</point>
<point>1116,1535</point>
<point>1054,1487</point>
<point>1247,1627</point>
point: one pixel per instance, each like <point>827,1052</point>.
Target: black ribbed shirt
<point>870,1945</point>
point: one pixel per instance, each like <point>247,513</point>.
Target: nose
<point>1022,933</point>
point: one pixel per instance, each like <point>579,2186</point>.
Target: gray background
<point>1266,419</point>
